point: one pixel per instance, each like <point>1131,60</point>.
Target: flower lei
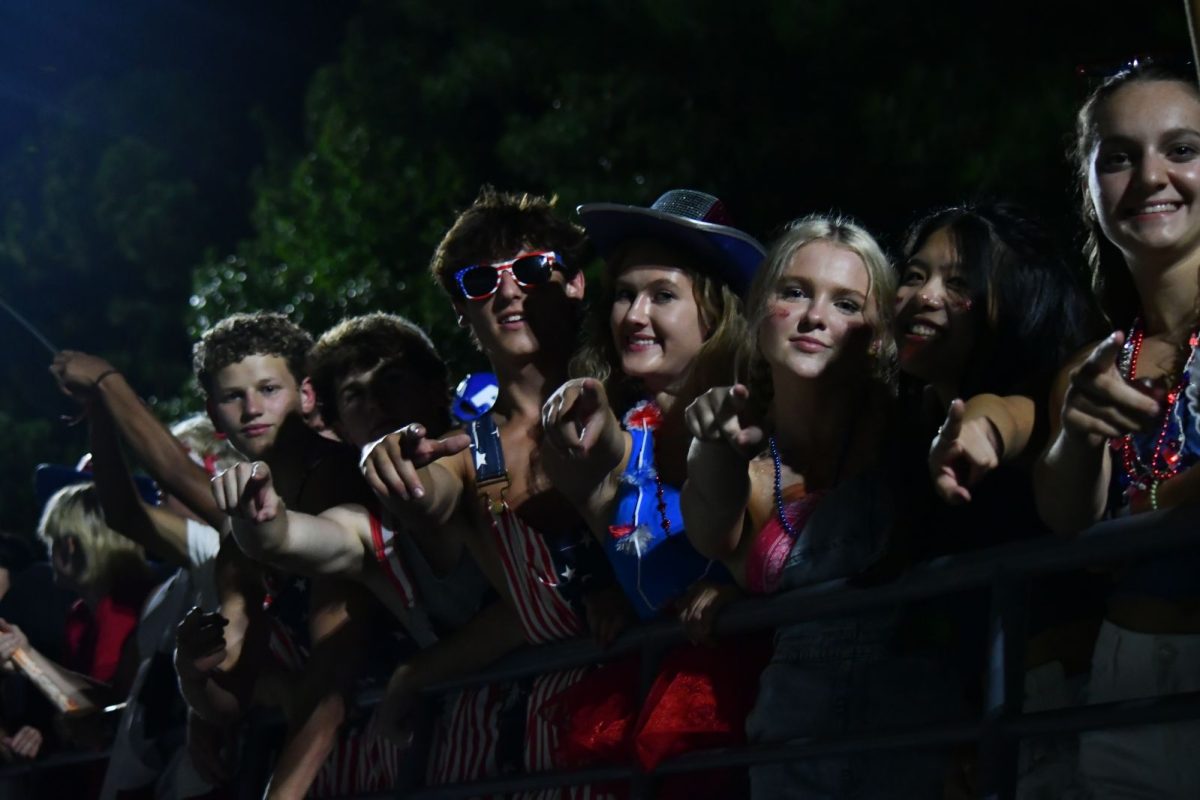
<point>635,535</point>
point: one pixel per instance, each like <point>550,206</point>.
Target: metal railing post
<point>641,786</point>
<point>415,760</point>
<point>1007,633</point>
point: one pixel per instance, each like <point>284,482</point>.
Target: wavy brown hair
<point>716,364</point>
<point>1111,282</point>
<point>499,224</point>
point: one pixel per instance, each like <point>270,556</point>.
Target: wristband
<point>103,375</point>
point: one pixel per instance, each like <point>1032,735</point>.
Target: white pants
<point>1049,766</point>
<point>1159,762</point>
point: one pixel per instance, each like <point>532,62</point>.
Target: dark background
<point>163,163</point>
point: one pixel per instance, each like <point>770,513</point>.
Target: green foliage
<point>105,209</point>
<point>780,108</point>
<point>791,108</point>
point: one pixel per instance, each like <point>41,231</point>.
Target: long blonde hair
<point>74,511</point>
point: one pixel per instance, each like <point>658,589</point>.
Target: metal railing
<point>1005,571</point>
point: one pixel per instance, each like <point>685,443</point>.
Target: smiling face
<point>655,319</point>
<point>817,315</point>
<point>934,324</point>
<point>251,399</point>
<point>518,323</point>
<point>1144,170</point>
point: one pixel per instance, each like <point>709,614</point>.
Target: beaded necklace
<point>778,463</point>
<point>1163,462</point>
<point>783,520</point>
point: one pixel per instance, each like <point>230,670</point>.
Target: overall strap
<point>474,398</point>
<point>491,478</point>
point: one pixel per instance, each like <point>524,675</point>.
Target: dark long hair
<point>1029,308</point>
<point>1110,278</point>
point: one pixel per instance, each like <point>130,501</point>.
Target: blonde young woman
<point>110,574</point>
<point>804,497</point>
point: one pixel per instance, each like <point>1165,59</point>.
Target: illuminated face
<point>934,324</point>
<point>817,313</point>
<point>1144,173</point>
<point>372,403</point>
<point>251,400</point>
<point>655,321</point>
<point>524,322</point>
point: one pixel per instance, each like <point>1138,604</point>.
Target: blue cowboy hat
<point>49,478</point>
<point>693,220</point>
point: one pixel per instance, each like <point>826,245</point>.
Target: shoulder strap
<point>491,477</point>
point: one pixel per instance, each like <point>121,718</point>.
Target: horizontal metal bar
<point>1115,540</point>
<point>1095,716</point>
<point>528,782</point>
<point>65,759</point>
<point>923,737</point>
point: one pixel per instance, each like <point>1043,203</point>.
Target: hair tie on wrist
<point>103,375</point>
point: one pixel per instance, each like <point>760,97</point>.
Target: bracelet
<point>103,375</point>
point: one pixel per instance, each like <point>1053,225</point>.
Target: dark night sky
<point>261,52</point>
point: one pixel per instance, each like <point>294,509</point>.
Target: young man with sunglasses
<point>521,304</point>
<point>512,270</point>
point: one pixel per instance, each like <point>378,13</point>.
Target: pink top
<point>769,551</point>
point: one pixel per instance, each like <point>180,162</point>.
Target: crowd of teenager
<point>722,419</point>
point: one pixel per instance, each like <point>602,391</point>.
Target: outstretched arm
<point>584,447</point>
<point>90,378</point>
<point>977,437</point>
<point>1091,404</point>
<point>717,489</point>
<point>329,544</point>
<point>418,479</point>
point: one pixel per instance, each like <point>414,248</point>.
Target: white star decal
<point>568,573</point>
<point>480,459</point>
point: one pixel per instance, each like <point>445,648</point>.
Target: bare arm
<point>338,629</point>
<point>85,376</point>
<point>584,448</point>
<point>218,657</point>
<point>330,544</point>
<point>420,480</point>
<point>715,494</point>
<point>978,436</point>
<point>1091,403</point>
<point>491,633</point>
<point>162,533</point>
<point>1011,419</point>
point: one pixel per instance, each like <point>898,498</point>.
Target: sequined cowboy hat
<point>690,219</point>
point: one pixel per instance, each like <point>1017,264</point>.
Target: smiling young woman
<point>1125,412</point>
